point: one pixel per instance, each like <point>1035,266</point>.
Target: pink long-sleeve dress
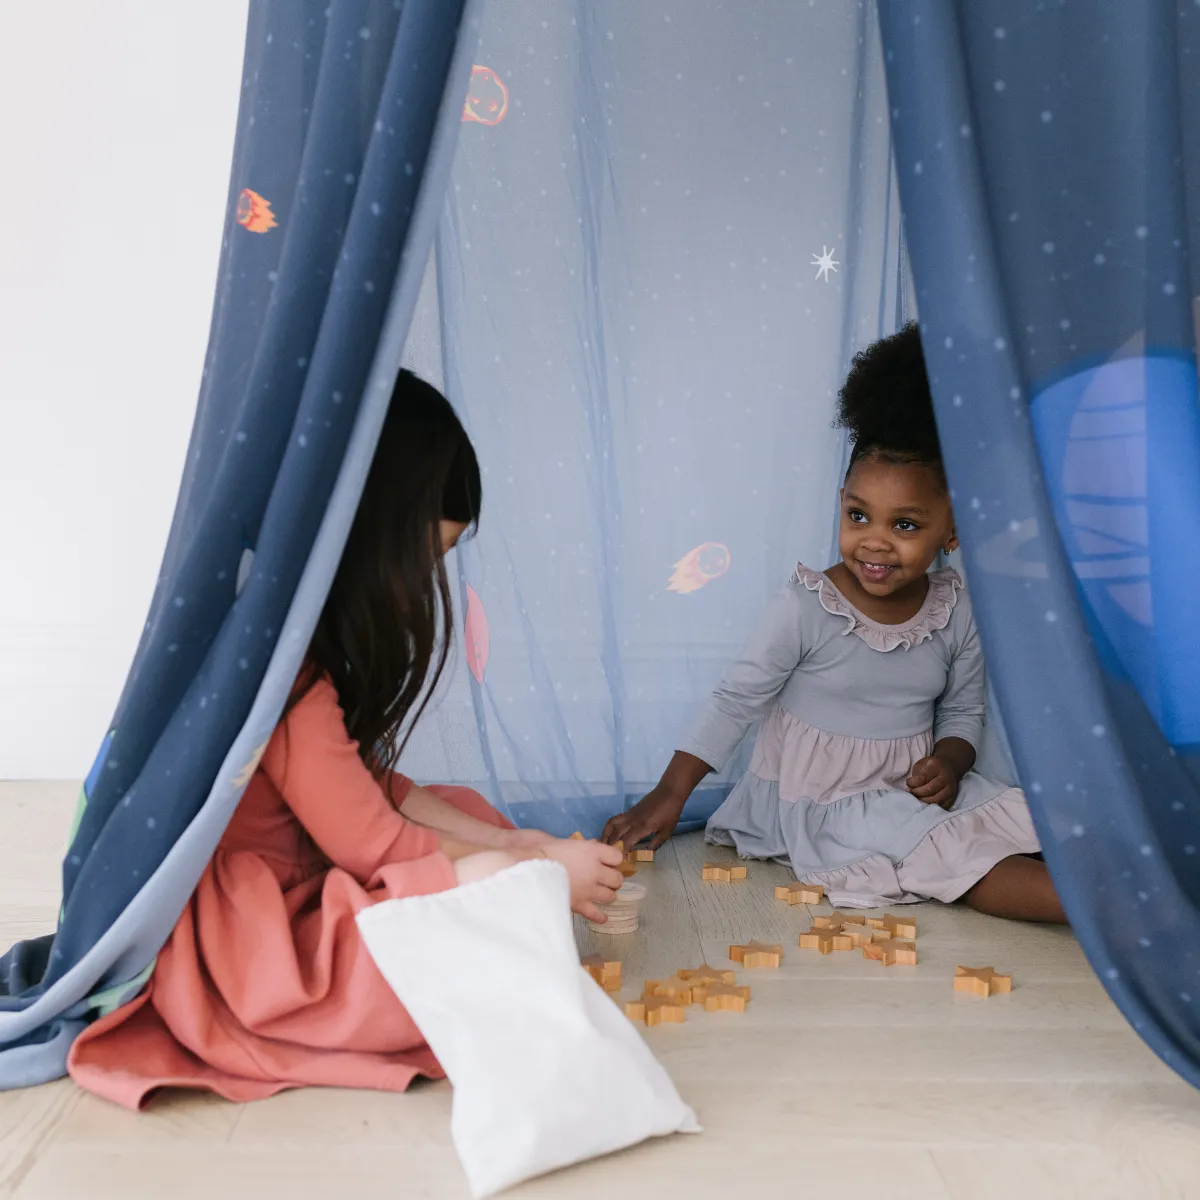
<point>265,983</point>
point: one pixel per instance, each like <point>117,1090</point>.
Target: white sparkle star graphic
<point>824,262</point>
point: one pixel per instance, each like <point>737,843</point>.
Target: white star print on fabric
<point>824,262</point>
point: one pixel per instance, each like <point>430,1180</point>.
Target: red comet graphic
<point>254,213</point>
<point>475,630</point>
<point>487,98</point>
<point>706,562</point>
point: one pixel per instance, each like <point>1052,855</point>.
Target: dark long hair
<point>385,630</point>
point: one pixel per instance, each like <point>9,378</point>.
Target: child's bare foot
<point>1020,889</point>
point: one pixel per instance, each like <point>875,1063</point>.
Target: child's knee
<point>483,864</point>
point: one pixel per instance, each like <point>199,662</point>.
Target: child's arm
<point>591,868</point>
<point>315,766</point>
<point>422,807</point>
<point>750,687</point>
<point>657,813</point>
<point>958,722</point>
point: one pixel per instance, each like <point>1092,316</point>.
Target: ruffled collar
<point>944,586</point>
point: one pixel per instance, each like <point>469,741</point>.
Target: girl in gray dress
<point>869,682</point>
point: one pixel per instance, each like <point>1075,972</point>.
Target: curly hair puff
<point>887,406</point>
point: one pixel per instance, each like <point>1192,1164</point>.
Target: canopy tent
<point>666,230</point>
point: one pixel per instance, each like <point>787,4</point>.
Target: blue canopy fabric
<point>1051,188</point>
<point>346,132</point>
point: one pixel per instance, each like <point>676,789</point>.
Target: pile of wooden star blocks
<point>887,939</point>
<point>665,1000</point>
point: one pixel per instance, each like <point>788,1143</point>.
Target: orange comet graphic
<point>487,98</point>
<point>475,629</point>
<point>254,213</point>
<point>706,562</point>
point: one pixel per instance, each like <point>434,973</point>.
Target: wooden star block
<point>825,940</point>
<point>706,974</point>
<point>659,1009</point>
<point>817,939</point>
<point>679,990</point>
<point>837,920</point>
<point>756,954</point>
<point>643,855</point>
<point>873,950</point>
<point>655,1010</point>
<point>901,927</point>
<point>700,991</point>
<point>576,836</point>
<point>721,997</point>
<point>800,893</point>
<point>981,981</point>
<point>722,872</point>
<point>861,935</point>
<point>606,972</point>
<point>703,979</point>
<point>626,866</point>
<point>899,953</point>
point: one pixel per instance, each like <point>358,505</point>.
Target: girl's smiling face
<point>896,517</point>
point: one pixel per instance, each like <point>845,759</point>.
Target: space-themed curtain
<point>669,227</point>
<point>1049,167</point>
<point>348,121</point>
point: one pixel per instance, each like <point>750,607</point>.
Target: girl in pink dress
<point>265,982</point>
<point>868,679</point>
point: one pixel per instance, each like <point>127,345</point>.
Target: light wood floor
<point>844,1080</point>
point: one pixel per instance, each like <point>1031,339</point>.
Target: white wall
<point>116,131</point>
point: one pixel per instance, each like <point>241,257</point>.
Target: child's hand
<point>592,868</point>
<point>933,782</point>
<point>655,815</point>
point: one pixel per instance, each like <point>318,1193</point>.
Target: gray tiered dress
<point>850,706</point>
